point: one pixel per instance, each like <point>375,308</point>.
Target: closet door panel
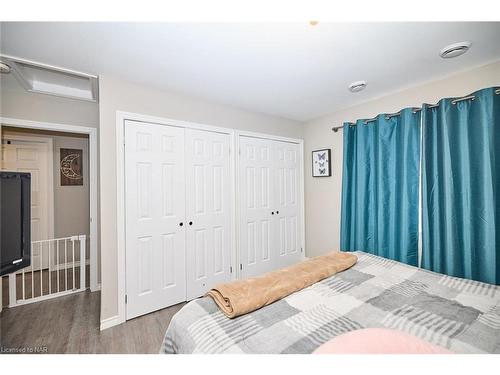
<point>208,210</point>
<point>257,243</point>
<point>155,243</point>
<point>287,166</point>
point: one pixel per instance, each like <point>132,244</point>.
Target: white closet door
<point>256,195</point>
<point>155,207</point>
<point>287,203</point>
<point>208,210</point>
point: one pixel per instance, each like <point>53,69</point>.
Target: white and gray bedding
<point>460,315</point>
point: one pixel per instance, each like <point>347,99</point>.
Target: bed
<point>457,314</point>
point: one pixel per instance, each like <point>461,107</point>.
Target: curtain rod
<point>336,129</point>
<point>415,110</point>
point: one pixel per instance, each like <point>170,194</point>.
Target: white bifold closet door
<point>208,210</point>
<point>288,203</point>
<point>178,214</point>
<point>155,207</point>
<point>270,208</point>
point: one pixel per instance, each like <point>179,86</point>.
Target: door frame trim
<point>121,117</point>
<point>50,165</point>
<point>93,218</point>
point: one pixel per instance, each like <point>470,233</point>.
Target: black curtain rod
<point>415,110</point>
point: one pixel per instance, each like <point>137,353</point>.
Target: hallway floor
<point>70,324</point>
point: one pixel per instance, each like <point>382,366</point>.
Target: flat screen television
<point>15,221</point>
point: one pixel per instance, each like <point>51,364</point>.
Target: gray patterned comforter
<point>460,315</point>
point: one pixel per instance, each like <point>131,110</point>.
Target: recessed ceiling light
<point>357,86</point>
<point>454,50</point>
<point>4,68</point>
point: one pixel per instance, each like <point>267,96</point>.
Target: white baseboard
<point>110,322</point>
<point>96,289</point>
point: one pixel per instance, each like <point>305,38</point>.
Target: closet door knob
<point>277,212</point>
<point>272,213</point>
<point>190,223</point>
<point>181,224</point>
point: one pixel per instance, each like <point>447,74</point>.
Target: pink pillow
<point>378,341</point>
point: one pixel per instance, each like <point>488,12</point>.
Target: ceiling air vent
<point>357,86</point>
<point>4,68</point>
<point>454,50</point>
<point>47,79</point>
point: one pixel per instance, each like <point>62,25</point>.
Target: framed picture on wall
<point>321,166</point>
<point>71,167</point>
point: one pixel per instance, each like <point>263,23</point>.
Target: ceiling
<point>292,70</point>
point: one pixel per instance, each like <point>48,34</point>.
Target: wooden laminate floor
<point>70,324</point>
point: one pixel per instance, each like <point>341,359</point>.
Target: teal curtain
<point>380,186</point>
<point>460,179</point>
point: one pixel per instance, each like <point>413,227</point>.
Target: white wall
<point>323,195</point>
<point>116,94</point>
<point>71,203</point>
<point>18,103</point>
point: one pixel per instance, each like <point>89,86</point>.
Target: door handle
<point>277,212</point>
<point>272,213</point>
<point>181,224</point>
<point>190,223</point>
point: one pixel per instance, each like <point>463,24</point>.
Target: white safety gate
<point>58,269</point>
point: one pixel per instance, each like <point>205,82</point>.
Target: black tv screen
<point>15,221</point>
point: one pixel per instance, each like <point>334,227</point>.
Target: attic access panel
<point>45,79</point>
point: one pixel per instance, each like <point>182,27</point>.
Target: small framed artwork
<point>71,167</point>
<point>321,166</point>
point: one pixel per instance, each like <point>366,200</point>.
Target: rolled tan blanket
<point>243,296</point>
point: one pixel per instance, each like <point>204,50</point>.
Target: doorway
<point>64,226</point>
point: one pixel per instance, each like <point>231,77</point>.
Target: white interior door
<point>287,203</point>
<point>270,205</point>
<point>256,206</point>
<point>155,209</point>
<point>33,157</point>
<point>208,210</point>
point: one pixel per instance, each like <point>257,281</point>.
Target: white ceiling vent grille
<point>4,68</point>
<point>46,79</point>
<point>454,50</point>
<point>357,86</point>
